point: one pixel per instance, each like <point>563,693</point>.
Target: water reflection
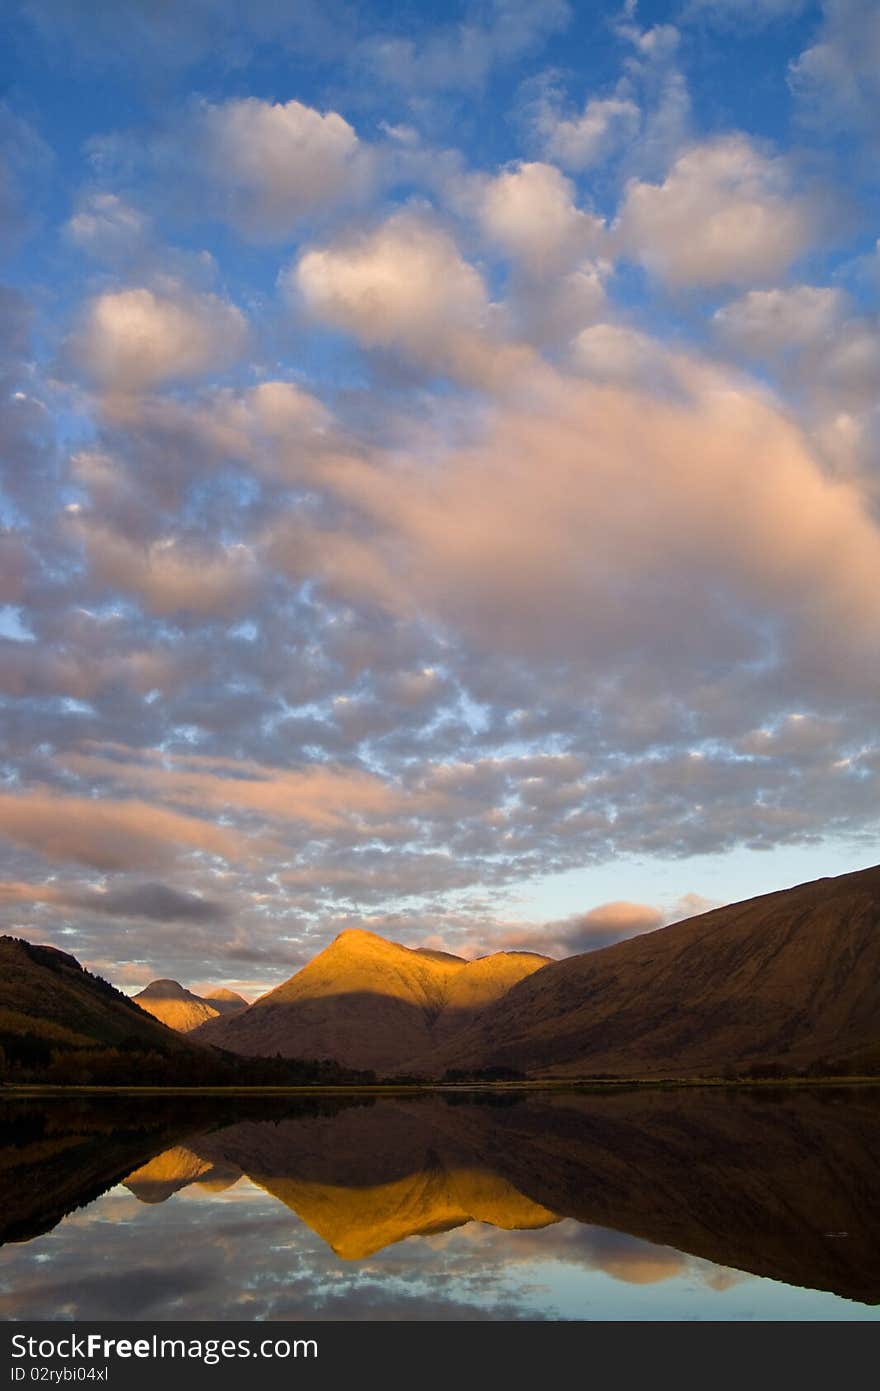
<point>643,1204</point>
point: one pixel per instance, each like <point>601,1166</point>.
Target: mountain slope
<point>369,1003</point>
<point>791,978</point>
<point>48,1002</point>
<point>225,1001</point>
<point>175,1006</point>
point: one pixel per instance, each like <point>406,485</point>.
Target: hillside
<point>790,980</point>
<point>369,1003</point>
<point>175,1006</point>
<point>48,1003</point>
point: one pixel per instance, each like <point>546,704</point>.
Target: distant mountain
<point>787,981</point>
<point>180,1009</point>
<point>49,1004</point>
<point>225,1001</point>
<point>369,1003</point>
<point>176,1006</point>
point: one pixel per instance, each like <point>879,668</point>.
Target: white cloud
<point>610,521</point>
<point>107,227</point>
<point>580,142</point>
<point>850,367</point>
<point>465,53</point>
<point>137,338</point>
<point>530,213</point>
<point>615,353</point>
<point>768,322</point>
<point>726,214</point>
<point>838,77</point>
<point>404,285</point>
<point>549,314</point>
<point>271,164</point>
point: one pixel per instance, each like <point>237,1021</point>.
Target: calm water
<point>628,1205</point>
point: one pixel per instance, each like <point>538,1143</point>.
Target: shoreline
<point>25,1090</point>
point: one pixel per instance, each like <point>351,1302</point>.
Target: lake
<point>661,1204</point>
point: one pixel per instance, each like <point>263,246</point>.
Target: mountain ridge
<point>181,1009</point>
<point>786,980</point>
<point>366,997</point>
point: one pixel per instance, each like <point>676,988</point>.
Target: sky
<point>438,471</point>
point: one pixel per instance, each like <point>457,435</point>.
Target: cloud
<point>616,353</point>
<point>321,795</point>
<point>837,79</point>
<point>155,902</point>
<point>529,212</point>
<point>158,902</point>
<point>404,286</point>
<point>15,565</point>
<point>137,338</point>
<point>765,323</point>
<point>269,165</point>
<point>467,53</point>
<point>850,365</point>
<point>15,891</point>
<point>107,834</point>
<point>592,930</point>
<point>581,932</point>
<point>28,670</point>
<point>583,141</point>
<point>108,228</point>
<point>25,160</point>
<point>611,922</point>
<point>584,520</point>
<point>171,575</point>
<point>726,214</point>
<point>550,313</point>
<point>796,735</point>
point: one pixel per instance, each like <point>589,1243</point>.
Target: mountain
<point>790,980</point>
<point>369,1003</point>
<point>175,1006</point>
<point>225,1001</point>
<point>49,1004</point>
<point>180,1009</point>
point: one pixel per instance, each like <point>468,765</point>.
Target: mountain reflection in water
<point>592,1204</point>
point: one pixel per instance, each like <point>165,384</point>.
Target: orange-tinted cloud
<point>109,834</point>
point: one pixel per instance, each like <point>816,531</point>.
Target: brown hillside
<point>369,1003</point>
<point>46,995</point>
<point>790,978</point>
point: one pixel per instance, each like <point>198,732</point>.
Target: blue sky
<point>439,487</point>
